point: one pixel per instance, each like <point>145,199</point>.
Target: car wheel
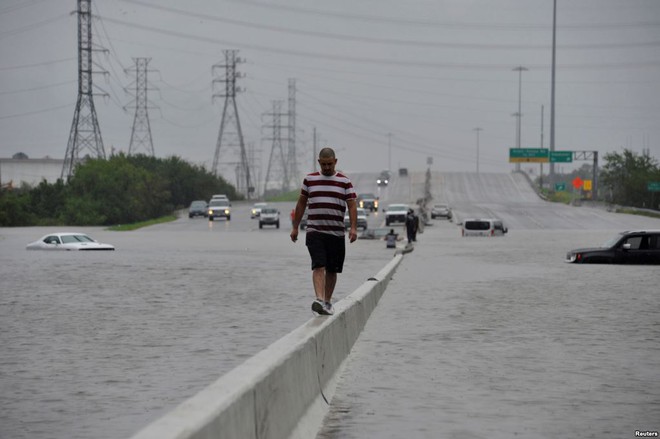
<point>228,217</point>
<point>277,225</point>
<point>261,226</point>
<point>210,218</point>
<point>387,223</point>
<point>190,216</point>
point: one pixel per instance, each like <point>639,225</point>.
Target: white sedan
<point>67,241</point>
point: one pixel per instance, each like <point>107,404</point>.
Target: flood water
<point>499,338</point>
<point>99,344</point>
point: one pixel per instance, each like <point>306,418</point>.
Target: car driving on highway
<point>440,211</point>
<point>219,208</point>
<point>198,208</point>
<point>631,247</point>
<point>269,216</point>
<point>396,213</point>
<point>361,219</point>
<point>368,201</point>
<point>256,209</point>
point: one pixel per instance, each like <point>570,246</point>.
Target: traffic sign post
<point>561,156</point>
<point>653,186</point>
<point>528,155</point>
<point>577,183</point>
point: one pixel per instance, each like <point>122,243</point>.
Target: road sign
<point>561,156</point>
<point>577,182</point>
<point>528,155</point>
<point>654,186</point>
<point>587,185</point>
<point>560,187</point>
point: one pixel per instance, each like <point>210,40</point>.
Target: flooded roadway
<point>98,345</point>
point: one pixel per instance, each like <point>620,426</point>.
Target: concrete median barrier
<point>284,390</point>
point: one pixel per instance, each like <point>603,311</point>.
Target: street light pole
<point>552,89</point>
<point>389,152</point>
<point>519,69</point>
<point>477,129</point>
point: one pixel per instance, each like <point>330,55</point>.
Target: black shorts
<point>326,251</point>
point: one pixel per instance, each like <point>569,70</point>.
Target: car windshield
<point>67,239</point>
<point>440,206</point>
<point>258,205</point>
<point>218,203</point>
<point>397,208</point>
<point>613,240</point>
<point>198,204</point>
<point>366,196</point>
<point>268,210</point>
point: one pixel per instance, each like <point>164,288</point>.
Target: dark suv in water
<point>634,247</point>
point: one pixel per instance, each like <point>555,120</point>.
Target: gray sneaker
<point>318,306</point>
<point>328,308</point>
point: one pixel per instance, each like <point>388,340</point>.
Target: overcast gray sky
<point>426,71</point>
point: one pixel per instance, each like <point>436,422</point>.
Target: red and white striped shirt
<point>326,202</point>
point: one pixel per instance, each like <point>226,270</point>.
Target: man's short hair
<point>327,153</point>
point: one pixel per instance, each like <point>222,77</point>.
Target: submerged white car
<point>68,241</point>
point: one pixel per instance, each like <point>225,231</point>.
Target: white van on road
<point>483,227</point>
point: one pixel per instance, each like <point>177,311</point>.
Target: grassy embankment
<point>138,225</point>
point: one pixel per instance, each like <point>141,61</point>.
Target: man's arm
<point>301,205</point>
<point>352,215</point>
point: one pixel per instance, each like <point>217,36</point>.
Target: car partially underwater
<point>630,247</point>
<point>69,241</point>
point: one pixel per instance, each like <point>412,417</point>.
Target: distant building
<point>20,169</point>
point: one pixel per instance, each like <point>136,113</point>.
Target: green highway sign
<point>654,186</point>
<point>560,187</point>
<point>561,156</point>
<point>528,155</point>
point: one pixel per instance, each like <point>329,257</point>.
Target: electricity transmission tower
<point>85,132</point>
<point>277,161</point>
<point>292,158</point>
<point>141,133</point>
<point>231,121</point>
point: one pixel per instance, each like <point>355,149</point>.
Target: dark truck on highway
<point>368,202</point>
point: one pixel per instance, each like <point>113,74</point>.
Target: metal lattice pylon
<point>85,132</point>
<point>141,132</point>
<point>277,160</point>
<point>229,121</point>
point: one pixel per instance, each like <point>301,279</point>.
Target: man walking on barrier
<point>326,195</point>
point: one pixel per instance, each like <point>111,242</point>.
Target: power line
<point>388,41</point>
<point>32,26</point>
<point>40,64</point>
<point>445,24</point>
<point>41,87</point>
<point>30,113</point>
<point>376,61</point>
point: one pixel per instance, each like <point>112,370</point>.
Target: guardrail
<point>284,390</point>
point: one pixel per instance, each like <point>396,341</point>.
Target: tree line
<point>120,190</point>
<point>625,177</point>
